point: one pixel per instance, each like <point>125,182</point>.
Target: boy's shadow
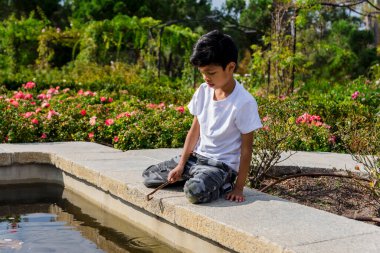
<point>251,196</point>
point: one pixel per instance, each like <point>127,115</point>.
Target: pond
<point>48,218</point>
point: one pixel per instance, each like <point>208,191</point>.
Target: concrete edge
<point>227,236</point>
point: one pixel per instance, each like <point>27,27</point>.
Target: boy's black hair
<point>214,48</point>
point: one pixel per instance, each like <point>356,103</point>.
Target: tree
<point>165,10</point>
<point>49,10</point>
<point>314,39</point>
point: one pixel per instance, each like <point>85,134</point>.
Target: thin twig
<point>286,158</point>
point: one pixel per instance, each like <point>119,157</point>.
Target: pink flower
<point>19,95</point>
<point>265,118</point>
<point>180,109</point>
<point>38,110</point>
<point>355,95</point>
<point>302,118</point>
<point>93,120</point>
<point>28,96</point>
<point>310,120</point>
<point>53,90</point>
<point>41,96</point>
<point>110,100</point>
<point>120,115</point>
<point>43,136</point>
<point>151,106</point>
<point>14,103</point>
<point>34,121</point>
<point>28,114</point>
<point>103,99</point>
<point>161,105</point>
<point>80,92</point>
<point>51,113</point>
<point>83,112</point>
<point>332,139</point>
<point>89,93</point>
<point>315,118</point>
<point>266,128</point>
<point>45,105</point>
<point>115,139</point>
<point>124,114</point>
<point>91,135</point>
<point>33,103</point>
<point>109,122</point>
<point>29,85</point>
<point>66,90</point>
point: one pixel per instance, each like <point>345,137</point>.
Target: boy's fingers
<point>240,199</point>
<point>172,177</point>
<point>236,198</point>
<point>230,197</point>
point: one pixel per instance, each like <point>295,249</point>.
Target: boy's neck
<point>225,91</point>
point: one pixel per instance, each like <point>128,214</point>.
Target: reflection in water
<point>49,223</point>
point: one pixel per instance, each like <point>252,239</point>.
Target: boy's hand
<point>175,174</point>
<point>236,195</point>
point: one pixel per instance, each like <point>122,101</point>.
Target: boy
<point>218,146</point>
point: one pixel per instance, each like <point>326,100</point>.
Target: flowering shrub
<point>55,115</point>
<point>361,138</point>
<point>285,128</point>
<point>312,134</point>
<point>124,117</point>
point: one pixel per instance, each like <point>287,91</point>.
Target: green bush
<point>66,115</point>
<point>300,122</point>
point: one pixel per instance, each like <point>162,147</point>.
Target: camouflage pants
<point>206,179</point>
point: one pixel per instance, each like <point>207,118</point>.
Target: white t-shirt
<point>222,122</point>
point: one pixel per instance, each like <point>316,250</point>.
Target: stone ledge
<point>316,162</point>
<point>263,223</point>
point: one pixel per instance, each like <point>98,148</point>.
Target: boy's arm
<point>190,142</point>
<point>245,160</point>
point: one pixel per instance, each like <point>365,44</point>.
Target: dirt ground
<point>340,196</point>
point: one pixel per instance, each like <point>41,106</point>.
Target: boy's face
<point>215,76</point>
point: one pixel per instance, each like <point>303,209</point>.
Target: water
<point>35,218</point>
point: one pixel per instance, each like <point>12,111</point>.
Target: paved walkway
<point>302,162</point>
<point>262,223</point>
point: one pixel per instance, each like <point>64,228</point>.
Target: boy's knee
<point>197,192</point>
<point>153,176</point>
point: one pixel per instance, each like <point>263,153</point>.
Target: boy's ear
<point>231,66</point>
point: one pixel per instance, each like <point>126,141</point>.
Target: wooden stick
<point>149,196</point>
